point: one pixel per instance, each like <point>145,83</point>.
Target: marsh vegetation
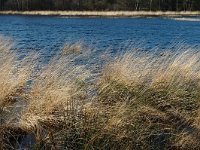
<point>103,13</point>
<point>136,101</point>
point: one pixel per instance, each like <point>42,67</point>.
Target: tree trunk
<point>176,5</point>
<point>150,5</point>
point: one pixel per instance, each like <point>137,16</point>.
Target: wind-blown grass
<point>14,75</point>
<point>138,101</point>
<point>55,99</point>
<point>153,100</point>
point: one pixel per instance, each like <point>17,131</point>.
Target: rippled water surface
<point>49,33</point>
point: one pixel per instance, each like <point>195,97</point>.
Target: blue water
<point>50,33</point>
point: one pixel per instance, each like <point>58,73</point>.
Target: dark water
<point>49,33</point>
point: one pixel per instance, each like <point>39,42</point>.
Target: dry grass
<point>102,13</point>
<point>56,97</point>
<point>153,101</point>
<point>14,75</point>
<point>139,101</point>
<point>72,48</point>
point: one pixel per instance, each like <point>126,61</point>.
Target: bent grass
<point>14,75</point>
<point>162,93</point>
<point>140,101</point>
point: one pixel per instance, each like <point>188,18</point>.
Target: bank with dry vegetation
<point>104,13</point>
<point>138,101</point>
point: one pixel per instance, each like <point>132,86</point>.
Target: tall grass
<point>138,101</point>
<point>55,99</point>
<point>153,101</point>
<point>14,75</point>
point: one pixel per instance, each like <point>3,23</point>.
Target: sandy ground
<point>102,13</point>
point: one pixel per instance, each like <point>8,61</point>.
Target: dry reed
<point>103,13</point>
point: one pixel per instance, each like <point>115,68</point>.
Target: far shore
<point>104,13</point>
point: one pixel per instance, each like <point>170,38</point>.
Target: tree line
<point>135,5</point>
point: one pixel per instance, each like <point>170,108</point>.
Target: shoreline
<point>103,13</point>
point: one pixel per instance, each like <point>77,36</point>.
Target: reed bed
<point>102,13</point>
<point>138,101</point>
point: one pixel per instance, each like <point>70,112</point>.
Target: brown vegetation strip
<point>103,13</point>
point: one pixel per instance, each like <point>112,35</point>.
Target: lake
<point>134,103</point>
<point>49,33</point>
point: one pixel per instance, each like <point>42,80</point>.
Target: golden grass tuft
<point>15,72</point>
<point>56,99</point>
<point>157,95</point>
<point>54,91</point>
<point>72,48</point>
